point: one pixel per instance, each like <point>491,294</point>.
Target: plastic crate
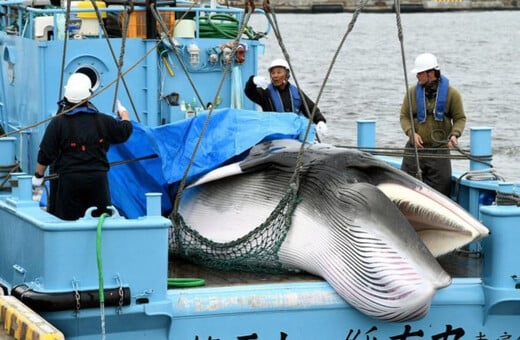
<point>137,23</point>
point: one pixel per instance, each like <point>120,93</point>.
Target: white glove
<point>322,129</point>
<point>37,182</point>
<point>261,82</point>
<point>120,107</point>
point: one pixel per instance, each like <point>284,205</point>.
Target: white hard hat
<point>78,87</point>
<point>425,62</point>
<point>279,63</point>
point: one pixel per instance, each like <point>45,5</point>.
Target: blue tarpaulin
<point>229,133</point>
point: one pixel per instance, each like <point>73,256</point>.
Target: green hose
<point>99,258</point>
<point>172,282</point>
<point>185,282</point>
<point>220,26</point>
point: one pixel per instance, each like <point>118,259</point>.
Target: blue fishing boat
<point>164,264</point>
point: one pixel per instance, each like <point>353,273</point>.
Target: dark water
<point>478,51</point>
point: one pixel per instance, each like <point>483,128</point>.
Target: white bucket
<point>185,29</point>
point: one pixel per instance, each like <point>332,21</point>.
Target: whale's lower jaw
<point>378,273</point>
<point>373,279</point>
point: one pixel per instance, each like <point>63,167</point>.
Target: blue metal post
<point>366,133</point>
<point>25,149</point>
<point>480,141</point>
<point>153,204</point>
<point>480,145</point>
<point>14,176</point>
<point>7,150</point>
<point>501,267</point>
<point>25,187</point>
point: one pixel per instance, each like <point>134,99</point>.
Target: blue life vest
<point>440,100</point>
<point>296,101</point>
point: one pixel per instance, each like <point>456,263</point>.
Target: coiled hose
<point>221,26</point>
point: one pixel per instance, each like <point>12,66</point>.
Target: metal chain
<point>77,296</point>
<point>125,24</point>
<point>121,295</point>
<point>114,57</point>
<point>271,17</point>
<point>182,184</point>
<point>350,27</point>
<point>397,5</point>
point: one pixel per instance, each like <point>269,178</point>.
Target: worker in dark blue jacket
<point>75,144</point>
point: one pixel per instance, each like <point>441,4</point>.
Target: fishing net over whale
<point>229,137</point>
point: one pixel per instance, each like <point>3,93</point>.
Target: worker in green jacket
<point>433,124</point>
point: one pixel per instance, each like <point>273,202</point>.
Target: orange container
<point>137,23</point>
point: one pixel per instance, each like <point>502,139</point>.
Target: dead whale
<point>371,231</point>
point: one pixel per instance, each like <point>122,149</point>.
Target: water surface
<point>478,51</point>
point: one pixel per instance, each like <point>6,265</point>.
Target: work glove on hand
<point>37,182</point>
<point>120,107</point>
<point>261,82</point>
<point>321,129</point>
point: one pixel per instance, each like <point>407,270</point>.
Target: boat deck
<point>181,268</point>
<point>462,263</point>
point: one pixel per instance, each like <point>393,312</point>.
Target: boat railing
<point>182,19</point>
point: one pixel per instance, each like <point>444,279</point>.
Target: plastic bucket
<point>185,29</point>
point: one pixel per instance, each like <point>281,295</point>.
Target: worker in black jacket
<point>279,95</point>
<point>75,143</point>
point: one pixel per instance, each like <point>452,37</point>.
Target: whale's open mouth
<point>442,225</point>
